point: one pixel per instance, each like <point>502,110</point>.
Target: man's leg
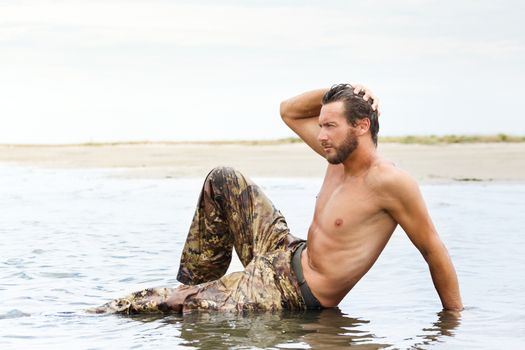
<point>232,211</point>
<point>266,284</point>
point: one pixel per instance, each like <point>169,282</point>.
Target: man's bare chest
<point>346,207</point>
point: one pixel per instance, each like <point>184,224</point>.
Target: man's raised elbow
<point>284,109</point>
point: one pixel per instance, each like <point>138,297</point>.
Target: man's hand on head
<point>368,94</point>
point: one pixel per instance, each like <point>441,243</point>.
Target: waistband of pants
<point>310,300</point>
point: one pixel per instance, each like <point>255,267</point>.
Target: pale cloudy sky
<point>110,70</point>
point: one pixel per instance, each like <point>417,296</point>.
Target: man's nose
<point>321,136</point>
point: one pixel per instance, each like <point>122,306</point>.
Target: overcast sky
<point>112,70</point>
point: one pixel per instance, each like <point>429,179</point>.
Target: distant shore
<point>432,161</point>
<point>408,139</point>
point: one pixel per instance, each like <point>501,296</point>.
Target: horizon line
<point>407,139</point>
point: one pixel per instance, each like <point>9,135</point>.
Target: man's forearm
<point>306,105</point>
<point>445,281</point>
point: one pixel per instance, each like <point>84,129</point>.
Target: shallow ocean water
<point>73,239</point>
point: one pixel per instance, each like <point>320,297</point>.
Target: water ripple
<point>13,314</point>
<point>61,274</point>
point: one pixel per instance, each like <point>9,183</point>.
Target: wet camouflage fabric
<point>151,300</point>
<point>232,212</point>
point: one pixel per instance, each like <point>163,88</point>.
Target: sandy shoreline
<point>427,163</point>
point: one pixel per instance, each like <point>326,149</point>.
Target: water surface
<point>73,239</point>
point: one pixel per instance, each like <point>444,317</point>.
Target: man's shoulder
<point>386,178</point>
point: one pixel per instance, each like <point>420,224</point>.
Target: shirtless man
<point>362,200</point>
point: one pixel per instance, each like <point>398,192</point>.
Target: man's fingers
<point>358,88</point>
<point>375,104</point>
<point>367,96</point>
<point>375,101</point>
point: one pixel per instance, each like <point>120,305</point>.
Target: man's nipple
<point>338,222</point>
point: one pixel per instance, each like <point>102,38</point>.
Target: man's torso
<point>349,230</point>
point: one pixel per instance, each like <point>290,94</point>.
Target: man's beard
<point>342,152</point>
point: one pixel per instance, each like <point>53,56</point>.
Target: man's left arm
<point>406,205</point>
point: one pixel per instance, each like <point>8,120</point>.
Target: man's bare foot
<point>175,302</point>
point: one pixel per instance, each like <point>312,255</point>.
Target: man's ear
<point>363,126</point>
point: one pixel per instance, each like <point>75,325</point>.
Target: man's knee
<point>221,171</point>
<point>225,181</point>
<point>220,175</point>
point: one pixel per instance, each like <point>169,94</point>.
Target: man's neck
<point>361,159</point>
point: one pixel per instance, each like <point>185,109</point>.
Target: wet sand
<point>427,163</point>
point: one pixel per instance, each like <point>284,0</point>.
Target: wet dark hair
<point>355,107</point>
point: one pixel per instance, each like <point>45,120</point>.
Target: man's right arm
<point>403,200</point>
<point>301,114</point>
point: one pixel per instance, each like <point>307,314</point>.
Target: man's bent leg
<point>232,211</point>
<point>266,284</point>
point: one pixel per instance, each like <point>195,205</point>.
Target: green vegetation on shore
<point>410,139</point>
<point>434,139</point>
<point>424,139</point>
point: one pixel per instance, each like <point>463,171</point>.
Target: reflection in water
<point>445,325</point>
<point>326,329</point>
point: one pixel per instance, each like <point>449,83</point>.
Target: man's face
<point>336,136</point>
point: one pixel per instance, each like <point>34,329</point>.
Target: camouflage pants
<point>232,212</point>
